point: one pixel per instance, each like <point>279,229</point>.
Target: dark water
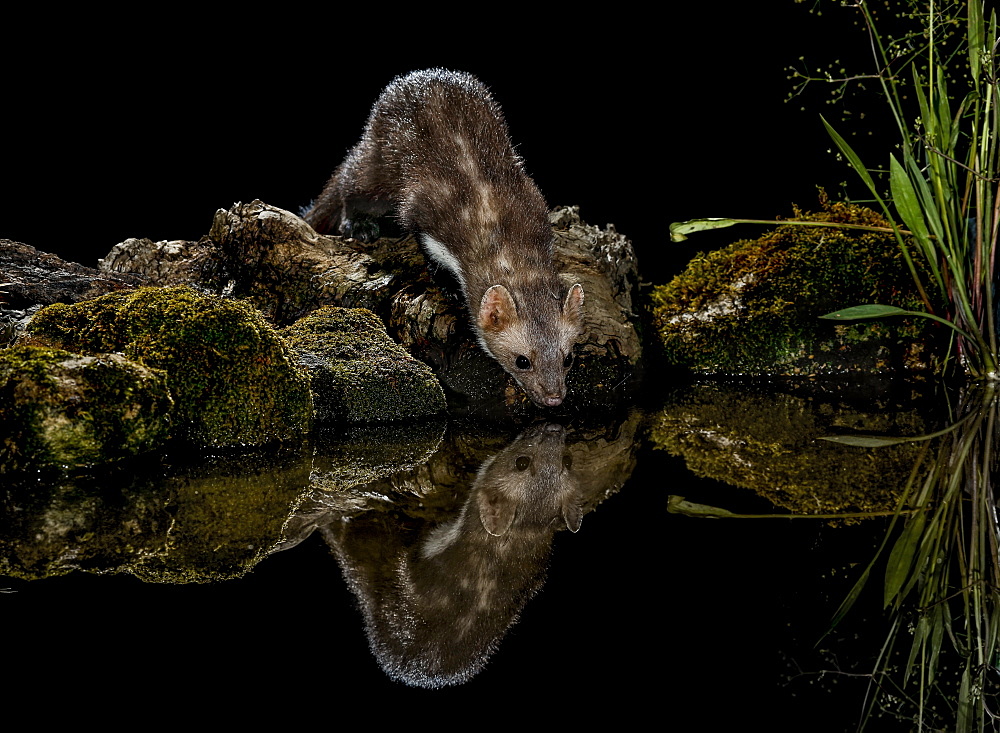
<point>642,615</point>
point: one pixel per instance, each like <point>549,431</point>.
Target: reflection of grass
<point>942,583</point>
<point>941,571</point>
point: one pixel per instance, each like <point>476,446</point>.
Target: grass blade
<point>870,310</point>
<point>907,204</point>
<point>900,561</point>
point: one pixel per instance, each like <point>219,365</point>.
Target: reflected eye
<point>567,462</point>
<point>522,463</point>
<point>568,361</point>
<point>522,362</point>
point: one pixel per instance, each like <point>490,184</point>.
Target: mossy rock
<point>232,379</point>
<point>59,409</point>
<point>358,373</point>
<point>754,307</point>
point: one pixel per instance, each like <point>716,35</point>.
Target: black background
<point>118,127</point>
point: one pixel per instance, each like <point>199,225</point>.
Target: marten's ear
<point>497,310</point>
<point>573,305</point>
<point>496,512</point>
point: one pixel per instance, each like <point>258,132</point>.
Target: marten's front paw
<point>362,228</point>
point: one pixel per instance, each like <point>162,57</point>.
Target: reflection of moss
<point>227,514</point>
<point>769,443</point>
<point>356,455</point>
<point>62,409</point>
<point>753,307</point>
<point>206,521</point>
<point>358,373</point>
<point>74,522</point>
<point>232,380</point>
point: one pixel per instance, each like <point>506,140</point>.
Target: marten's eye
<point>568,361</point>
<point>522,463</point>
<point>522,362</point>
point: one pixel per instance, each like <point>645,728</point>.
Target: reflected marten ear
<point>497,310</point>
<point>572,514</point>
<point>496,512</point>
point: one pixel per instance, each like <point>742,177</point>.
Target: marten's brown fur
<point>436,154</point>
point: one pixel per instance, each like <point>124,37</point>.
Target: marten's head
<point>532,337</point>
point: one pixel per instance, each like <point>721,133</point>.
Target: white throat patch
<point>443,256</point>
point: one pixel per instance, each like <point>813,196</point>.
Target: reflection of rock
<point>769,442</point>
<point>360,455</point>
<point>61,410</point>
<point>442,571</point>
<point>227,514</point>
<point>207,521</point>
<point>52,528</point>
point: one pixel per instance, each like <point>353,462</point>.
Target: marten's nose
<point>552,401</point>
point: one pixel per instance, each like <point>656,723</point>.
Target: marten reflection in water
<point>435,610</point>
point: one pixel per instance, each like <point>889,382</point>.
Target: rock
<point>63,410</point>
<point>753,308</point>
<point>359,374</point>
<point>232,379</point>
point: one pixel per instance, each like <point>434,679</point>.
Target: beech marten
<point>437,155</point>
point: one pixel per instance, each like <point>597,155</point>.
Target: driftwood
<point>30,279</point>
<point>278,262</point>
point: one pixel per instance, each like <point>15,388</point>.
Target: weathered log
<point>30,279</point>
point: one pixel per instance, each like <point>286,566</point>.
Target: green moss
<point>232,379</point>
<point>359,374</point>
<point>753,307</point>
<point>62,409</point>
